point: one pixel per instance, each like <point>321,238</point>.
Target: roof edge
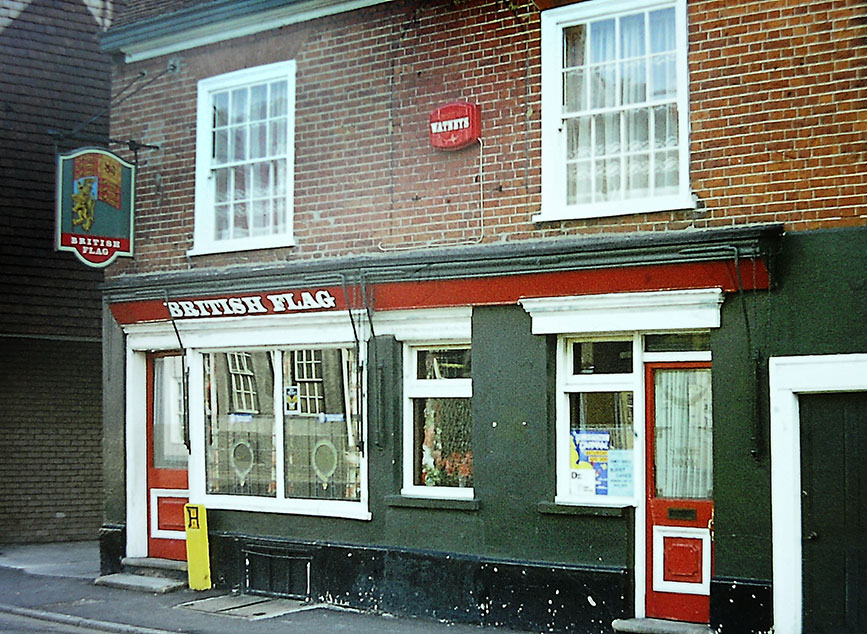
<point>602,251</point>
<point>216,22</point>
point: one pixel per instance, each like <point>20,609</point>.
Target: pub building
<point>464,311</point>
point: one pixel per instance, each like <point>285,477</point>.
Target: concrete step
<point>140,583</point>
<point>155,567</point>
<point>659,626</point>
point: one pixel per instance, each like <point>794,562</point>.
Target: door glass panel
<point>170,451</point>
<point>683,438</point>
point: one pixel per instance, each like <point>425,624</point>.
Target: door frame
<point>656,533</point>
<point>790,377</point>
<point>140,340</point>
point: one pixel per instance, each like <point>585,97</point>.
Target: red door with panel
<point>167,482</point>
<point>679,491</point>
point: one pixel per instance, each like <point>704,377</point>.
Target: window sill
<point>553,213</point>
<point>553,508</point>
<point>403,501</point>
<point>247,244</point>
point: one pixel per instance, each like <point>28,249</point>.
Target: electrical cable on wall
<point>383,247</point>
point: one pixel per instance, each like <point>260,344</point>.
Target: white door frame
<point>139,341</point>
<point>789,377</point>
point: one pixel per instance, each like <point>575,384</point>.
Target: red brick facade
<point>777,134</point>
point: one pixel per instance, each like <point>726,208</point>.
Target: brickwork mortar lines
<point>778,127</point>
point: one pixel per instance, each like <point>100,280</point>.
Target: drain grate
<point>248,607</point>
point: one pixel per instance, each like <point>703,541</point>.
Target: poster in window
<point>589,462</point>
<point>292,404</point>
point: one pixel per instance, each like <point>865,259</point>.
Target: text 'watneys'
<point>251,304</point>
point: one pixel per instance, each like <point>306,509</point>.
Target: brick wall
<point>53,78</point>
<point>50,434</point>
<point>778,127</point>
<point>779,111</point>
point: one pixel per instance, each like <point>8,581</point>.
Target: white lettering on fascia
<point>304,301</point>
<point>449,125</point>
<point>251,304</point>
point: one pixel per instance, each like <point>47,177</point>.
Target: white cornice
<point>626,312</point>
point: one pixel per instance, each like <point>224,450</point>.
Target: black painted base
<point>460,589</point>
<point>741,605</point>
<point>112,546</point>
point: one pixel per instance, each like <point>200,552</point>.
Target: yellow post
<point>198,558</point>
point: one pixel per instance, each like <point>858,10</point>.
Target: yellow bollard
<point>198,558</point>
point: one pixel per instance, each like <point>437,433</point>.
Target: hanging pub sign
<point>455,125</point>
<point>94,206</point>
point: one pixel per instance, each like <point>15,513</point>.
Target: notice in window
<point>620,469</point>
<point>589,462</point>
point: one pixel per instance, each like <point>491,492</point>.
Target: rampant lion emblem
<point>83,203</point>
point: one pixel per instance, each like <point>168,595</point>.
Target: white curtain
<point>683,434</point>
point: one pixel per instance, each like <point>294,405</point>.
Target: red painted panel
<point>682,559</point>
<point>170,513</point>
<point>480,291</point>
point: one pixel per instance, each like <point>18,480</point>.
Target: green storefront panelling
<point>818,306</point>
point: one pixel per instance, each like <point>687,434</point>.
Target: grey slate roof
<point>143,20</point>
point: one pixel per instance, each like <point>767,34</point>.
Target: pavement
<point>53,585</point>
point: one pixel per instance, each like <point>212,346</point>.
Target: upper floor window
<point>614,109</point>
<point>245,159</point>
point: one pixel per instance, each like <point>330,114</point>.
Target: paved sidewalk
<point>54,583</point>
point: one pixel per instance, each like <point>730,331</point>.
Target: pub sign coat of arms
<point>95,194</point>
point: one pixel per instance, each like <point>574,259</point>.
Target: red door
<point>679,491</point>
<point>167,457</point>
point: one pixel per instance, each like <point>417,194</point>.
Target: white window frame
<point>201,336</point>
<point>414,388</point>
<point>554,205</point>
<point>204,240</point>
<point>571,383</point>
<point>425,328</point>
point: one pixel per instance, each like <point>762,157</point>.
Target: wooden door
<point>834,512</point>
<point>167,457</point>
<point>679,491</point>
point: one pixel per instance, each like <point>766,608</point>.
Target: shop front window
<point>321,424</point>
<point>601,449</point>
<point>240,456</point>
<point>438,445</point>
<point>283,424</point>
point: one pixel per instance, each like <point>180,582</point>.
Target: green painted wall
<point>819,306</point>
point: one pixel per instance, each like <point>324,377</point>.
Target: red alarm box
<point>455,125</point>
